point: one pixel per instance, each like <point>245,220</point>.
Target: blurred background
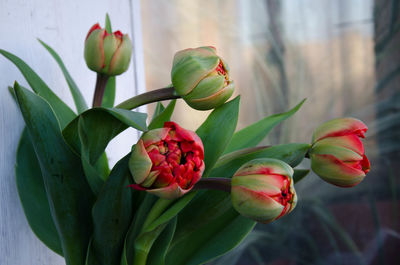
<point>344,57</point>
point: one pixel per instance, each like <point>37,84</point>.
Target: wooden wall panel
<point>63,25</point>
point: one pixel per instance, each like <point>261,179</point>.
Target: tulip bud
<point>168,161</point>
<point>337,153</point>
<point>263,190</point>
<point>106,53</point>
<point>201,78</point>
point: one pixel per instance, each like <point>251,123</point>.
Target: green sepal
<point>190,66</point>
<point>94,52</point>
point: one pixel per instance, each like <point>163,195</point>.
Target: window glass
<point>343,56</point>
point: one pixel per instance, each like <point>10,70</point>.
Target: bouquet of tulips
<point>179,197</point>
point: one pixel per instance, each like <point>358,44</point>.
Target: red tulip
<point>263,190</point>
<point>168,161</point>
<point>107,53</point>
<point>337,153</point>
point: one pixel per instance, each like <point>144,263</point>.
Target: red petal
<point>93,28</point>
<point>366,166</point>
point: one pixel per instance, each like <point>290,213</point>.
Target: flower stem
<point>223,184</point>
<point>158,208</point>
<point>149,97</point>
<point>101,83</point>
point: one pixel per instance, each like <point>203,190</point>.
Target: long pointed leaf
<point>80,102</point>
<point>216,132</point>
<point>112,216</point>
<point>140,216</point>
<point>160,247</point>
<point>292,154</point>
<point>255,133</point>
<point>33,196</point>
<point>63,112</point>
<point>162,115</point>
<point>69,195</point>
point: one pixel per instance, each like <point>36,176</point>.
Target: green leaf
<point>69,195</point>
<point>93,175</point>
<point>108,24</point>
<point>80,102</point>
<point>140,216</point>
<point>299,174</point>
<point>255,133</point>
<point>109,93</point>
<point>63,112</point>
<point>33,196</point>
<point>159,108</point>
<point>112,215</point>
<point>162,115</point>
<point>211,230</point>
<point>215,227</point>
<point>217,130</point>
<point>172,211</point>
<point>102,125</point>
<point>292,154</point>
<point>159,249</point>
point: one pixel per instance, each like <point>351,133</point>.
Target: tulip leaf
<point>102,125</point>
<point>79,100</point>
<point>255,133</point>
<point>162,115</point>
<point>139,218</point>
<point>217,130</point>
<point>93,176</point>
<point>108,24</point>
<point>159,249</point>
<point>299,174</point>
<point>215,227</point>
<point>292,154</point>
<point>63,113</point>
<point>112,215</point>
<point>33,196</point>
<point>69,195</point>
<point>211,230</point>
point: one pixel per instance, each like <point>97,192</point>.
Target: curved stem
<point>223,184</point>
<point>101,83</point>
<point>149,97</point>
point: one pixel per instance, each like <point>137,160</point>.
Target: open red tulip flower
<point>168,161</point>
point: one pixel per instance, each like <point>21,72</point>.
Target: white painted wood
<point>63,25</point>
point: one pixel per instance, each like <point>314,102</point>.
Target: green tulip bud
<point>263,190</point>
<point>201,78</point>
<point>105,53</point>
<point>337,154</point>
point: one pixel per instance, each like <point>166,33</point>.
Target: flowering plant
<point>179,197</point>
